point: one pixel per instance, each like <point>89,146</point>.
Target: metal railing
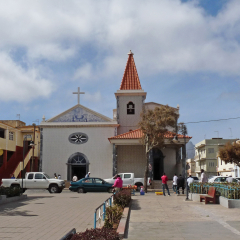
<point>100,212</point>
<point>222,189</point>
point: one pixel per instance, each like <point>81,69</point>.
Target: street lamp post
<point>183,130</point>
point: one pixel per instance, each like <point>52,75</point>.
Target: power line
<point>216,120</point>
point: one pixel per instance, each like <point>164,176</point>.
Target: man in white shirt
<point>75,178</point>
<point>229,179</point>
<point>203,176</point>
<point>175,183</point>
<point>189,181</point>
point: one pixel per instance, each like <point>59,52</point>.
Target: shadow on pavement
<point>135,204</point>
<point>7,209</point>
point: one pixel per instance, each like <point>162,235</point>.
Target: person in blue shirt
<point>87,175</point>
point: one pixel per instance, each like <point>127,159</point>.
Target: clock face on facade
<point>78,138</point>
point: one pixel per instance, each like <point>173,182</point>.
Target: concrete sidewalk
<point>163,217</point>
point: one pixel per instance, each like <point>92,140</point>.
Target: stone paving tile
<point>48,216</point>
<point>175,218</point>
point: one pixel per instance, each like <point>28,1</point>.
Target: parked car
<point>36,180</point>
<point>90,185</point>
<point>195,179</point>
<point>129,179</point>
<point>220,179</point>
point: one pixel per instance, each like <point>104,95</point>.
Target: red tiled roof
<point>130,80</point>
<point>137,134</point>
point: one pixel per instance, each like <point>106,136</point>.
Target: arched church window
<point>78,138</point>
<point>77,158</point>
<point>130,108</point>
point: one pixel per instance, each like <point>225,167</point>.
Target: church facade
<point>81,140</point>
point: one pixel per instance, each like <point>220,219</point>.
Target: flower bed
<point>227,190</point>
<point>113,216</point>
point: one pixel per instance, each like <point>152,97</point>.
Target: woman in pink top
<point>118,184</point>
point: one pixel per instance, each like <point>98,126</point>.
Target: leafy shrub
<point>96,234</point>
<point>10,192</point>
<point>113,216</point>
<point>122,198</point>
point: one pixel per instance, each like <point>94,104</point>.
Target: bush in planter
<point>96,234</point>
<point>122,198</point>
<point>10,192</point>
<point>113,216</point>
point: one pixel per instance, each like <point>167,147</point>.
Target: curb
<point>4,200</point>
<point>123,224</point>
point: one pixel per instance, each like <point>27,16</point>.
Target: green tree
<point>154,125</point>
<point>230,153</point>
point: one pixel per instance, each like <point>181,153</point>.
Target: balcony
<point>200,157</point>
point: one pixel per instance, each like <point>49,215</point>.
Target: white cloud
<point>95,97</point>
<point>165,35</point>
<point>84,72</point>
<point>19,84</point>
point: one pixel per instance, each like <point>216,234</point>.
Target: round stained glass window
<point>78,138</point>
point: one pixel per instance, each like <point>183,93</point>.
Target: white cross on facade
<point>78,93</point>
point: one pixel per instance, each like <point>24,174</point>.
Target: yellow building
<point>19,148</point>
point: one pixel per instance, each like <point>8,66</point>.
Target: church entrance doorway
<point>78,165</point>
<point>158,166</point>
<point>79,171</point>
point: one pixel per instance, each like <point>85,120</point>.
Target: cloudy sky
<point>186,52</point>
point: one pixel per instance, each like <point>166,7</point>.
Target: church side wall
<point>129,121</point>
<point>57,150</point>
<point>131,159</point>
<point>169,162</point>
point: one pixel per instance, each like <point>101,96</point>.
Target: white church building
<point>80,140</point>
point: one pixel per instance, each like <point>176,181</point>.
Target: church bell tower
<point>130,98</point>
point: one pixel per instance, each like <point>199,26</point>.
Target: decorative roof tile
<point>137,134</point>
<point>130,80</point>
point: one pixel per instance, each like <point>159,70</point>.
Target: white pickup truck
<point>128,179</point>
<point>35,180</point>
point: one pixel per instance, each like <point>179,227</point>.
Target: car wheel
<point>80,190</point>
<point>110,190</point>
<point>53,189</point>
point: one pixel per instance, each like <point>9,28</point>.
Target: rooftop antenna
<point>230,132</point>
<point>217,133</point>
<point>18,116</point>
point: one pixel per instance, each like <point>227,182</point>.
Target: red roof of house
<point>137,134</point>
<point>130,80</point>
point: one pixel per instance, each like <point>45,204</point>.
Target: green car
<point>91,185</point>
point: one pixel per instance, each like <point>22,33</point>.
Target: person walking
<point>229,179</point>
<point>164,184</point>
<point>59,176</point>
<point>55,175</point>
<point>180,184</point>
<point>203,176</point>
<point>74,178</point>
<point>88,175</point>
<point>118,184</point>
<point>175,183</point>
<point>189,181</point>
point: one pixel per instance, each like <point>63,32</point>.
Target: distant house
<point>206,156</point>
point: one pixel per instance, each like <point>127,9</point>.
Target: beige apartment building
<point>16,152</point>
<point>206,155</point>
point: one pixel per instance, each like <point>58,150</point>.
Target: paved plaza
<point>48,216</point>
<point>162,218</point>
